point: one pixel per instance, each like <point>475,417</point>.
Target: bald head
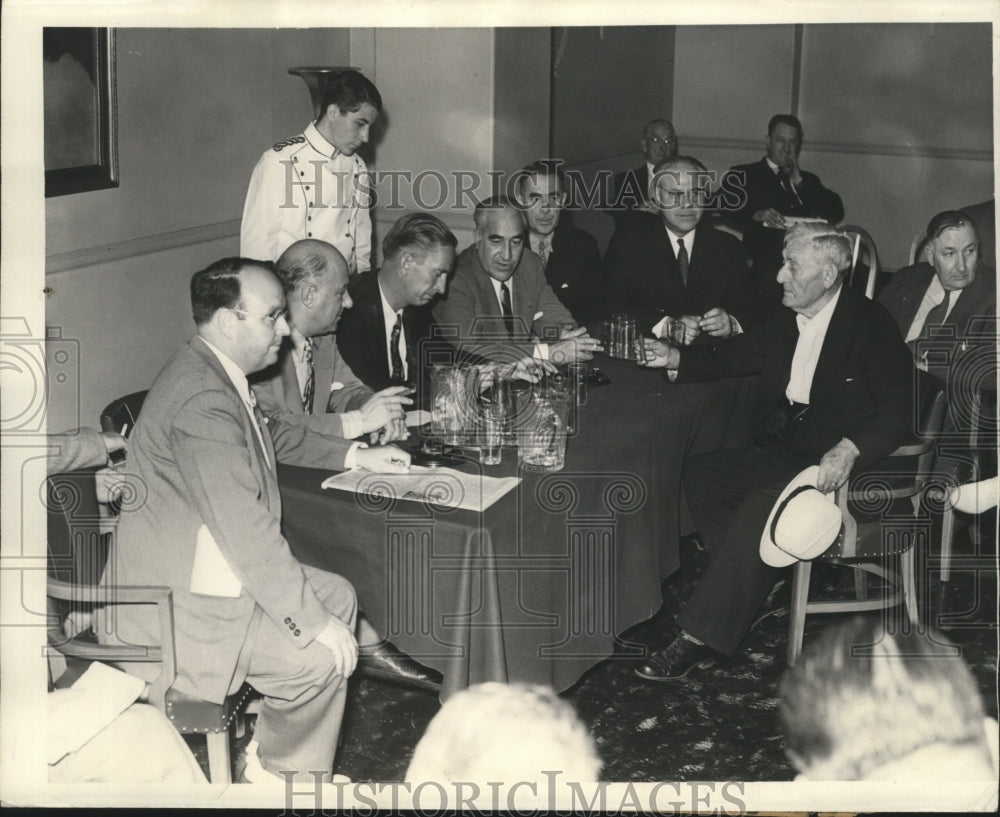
<point>315,276</point>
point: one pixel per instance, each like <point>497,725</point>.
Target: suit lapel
<point>375,321</point>
<point>838,337</point>
<point>268,480</point>
<point>290,380</point>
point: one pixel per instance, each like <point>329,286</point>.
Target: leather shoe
<point>677,660</point>
<point>386,662</point>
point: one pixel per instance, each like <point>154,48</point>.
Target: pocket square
<point>538,315</point>
<point>564,286</point>
<point>336,385</point>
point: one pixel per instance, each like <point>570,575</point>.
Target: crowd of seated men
<point>305,353</point>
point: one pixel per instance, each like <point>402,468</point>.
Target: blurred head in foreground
<point>505,733</point>
<point>867,704</point>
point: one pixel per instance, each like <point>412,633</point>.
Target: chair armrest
<point>915,449</point>
<point>163,653</point>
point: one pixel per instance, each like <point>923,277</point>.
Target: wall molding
<point>119,250</point>
<point>914,151</point>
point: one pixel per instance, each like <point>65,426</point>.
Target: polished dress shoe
<point>387,662</point>
<point>677,660</point>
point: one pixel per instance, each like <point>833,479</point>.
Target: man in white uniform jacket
<point>314,185</point>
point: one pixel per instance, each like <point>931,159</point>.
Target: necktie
<point>682,260</point>
<point>508,313</point>
<point>394,357</point>
<point>308,393</point>
<point>937,315</point>
<point>543,251</point>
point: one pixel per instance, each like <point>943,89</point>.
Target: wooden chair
<point>865,546</point>
<point>77,551</point>
<point>865,255</point>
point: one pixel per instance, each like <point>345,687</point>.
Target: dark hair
<point>218,286</point>
<point>349,90</point>
<point>544,168</point>
<point>863,696</point>
<point>785,119</point>
<point>417,230</point>
<point>948,220</point>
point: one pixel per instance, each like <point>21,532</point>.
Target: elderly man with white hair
<point>835,391</point>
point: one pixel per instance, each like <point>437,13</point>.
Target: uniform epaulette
<point>294,140</point>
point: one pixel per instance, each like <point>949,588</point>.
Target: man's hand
<point>770,217</point>
<point>692,327</point>
<point>574,346</point>
<point>716,323</point>
<point>660,355</point>
<point>383,407</point>
<point>383,459</point>
<point>527,368</point>
<point>390,432</point>
<point>835,466</point>
<point>793,171</point>
<point>339,640</point>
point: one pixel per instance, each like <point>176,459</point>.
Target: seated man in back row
<point>835,390</point>
<point>570,257</point>
<point>676,267</point>
<point>500,302</point>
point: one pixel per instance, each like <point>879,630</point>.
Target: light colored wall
<point>898,119</point>
<point>196,108</point>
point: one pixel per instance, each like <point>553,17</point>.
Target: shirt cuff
<point>541,351</point>
<point>352,424</point>
<point>854,448</point>
<point>734,327</point>
<point>660,326</point>
<point>671,375</point>
<point>351,458</point>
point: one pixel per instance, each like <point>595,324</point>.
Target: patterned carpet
<point>719,724</point>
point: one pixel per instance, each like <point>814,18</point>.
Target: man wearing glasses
<point>570,257</point>
<point>676,268</point>
<point>632,188</point>
<point>209,528</point>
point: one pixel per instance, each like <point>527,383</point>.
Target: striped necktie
<point>309,392</point>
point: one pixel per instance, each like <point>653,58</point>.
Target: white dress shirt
<point>812,333</point>
<point>389,315</point>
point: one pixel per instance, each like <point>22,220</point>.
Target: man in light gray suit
<point>210,529</point>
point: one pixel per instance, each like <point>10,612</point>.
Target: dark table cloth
<point>538,587</point>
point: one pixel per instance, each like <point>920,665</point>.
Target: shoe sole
<point>708,662</point>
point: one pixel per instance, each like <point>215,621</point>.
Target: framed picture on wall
<point>78,85</point>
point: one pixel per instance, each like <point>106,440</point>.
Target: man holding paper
<point>209,528</point>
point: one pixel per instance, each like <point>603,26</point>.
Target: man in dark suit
<point>835,390</point>
<point>952,288</point>
<point>776,188</point>
<point>314,405</point>
<point>210,529</point>
<point>570,257</point>
<point>499,305</point>
<point>672,267</point>
<point>631,194</point>
<point>387,337</point>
